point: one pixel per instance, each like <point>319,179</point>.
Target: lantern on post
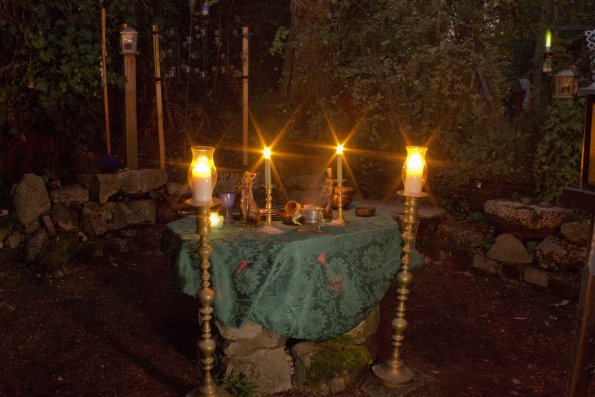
<point>566,84</point>
<point>128,38</point>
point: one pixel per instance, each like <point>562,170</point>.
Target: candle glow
<point>216,220</point>
<point>267,166</point>
<point>414,173</point>
<point>548,39</point>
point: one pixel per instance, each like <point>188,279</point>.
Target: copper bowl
<point>347,197</point>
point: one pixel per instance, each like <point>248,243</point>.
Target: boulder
<point>266,340</point>
<point>509,249</point>
<point>367,328</point>
<point>329,367</point>
<point>556,251</point>
<point>66,219</point>
<point>577,233</point>
<point>128,182</point>
<point>531,221</point>
<point>270,369</point>
<point>36,244</point>
<point>99,219</point>
<point>59,251</point>
<point>31,200</point>
<point>70,195</point>
<point>248,330</point>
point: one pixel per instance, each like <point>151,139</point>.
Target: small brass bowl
<point>365,211</point>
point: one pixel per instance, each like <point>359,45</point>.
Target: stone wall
<point>540,244</point>
<point>101,214</point>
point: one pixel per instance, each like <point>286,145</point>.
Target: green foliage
<point>337,356</point>
<point>406,72</point>
<point>558,154</point>
<point>240,386</point>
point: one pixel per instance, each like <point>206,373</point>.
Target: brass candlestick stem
<point>340,221</point>
<point>394,372</point>
<point>206,296</point>
<point>269,205</point>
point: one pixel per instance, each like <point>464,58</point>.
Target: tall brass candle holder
<point>394,372</point>
<point>202,176</point>
<point>269,205</point>
<point>340,221</point>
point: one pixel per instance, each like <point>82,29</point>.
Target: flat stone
<point>128,182</point>
<point>577,233</point>
<point>536,276</point>
<point>248,330</point>
<point>70,195</point>
<point>270,369</point>
<point>561,253</point>
<point>374,387</point>
<point>508,248</point>
<point>31,200</point>
<point>266,340</point>
<point>531,221</point>
<point>485,263</point>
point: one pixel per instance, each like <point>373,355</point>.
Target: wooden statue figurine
<point>251,215</point>
<point>324,199</point>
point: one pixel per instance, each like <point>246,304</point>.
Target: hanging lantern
<point>566,84</point>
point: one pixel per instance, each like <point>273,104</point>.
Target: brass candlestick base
<point>340,221</point>
<point>269,205</point>
<point>206,296</point>
<point>394,372</point>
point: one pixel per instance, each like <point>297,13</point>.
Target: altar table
<point>300,284</point>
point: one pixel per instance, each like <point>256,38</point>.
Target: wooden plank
<point>158,99</point>
<point>104,80</point>
<point>245,103</point>
<point>130,111</point>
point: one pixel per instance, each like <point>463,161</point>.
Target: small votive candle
<point>216,220</point>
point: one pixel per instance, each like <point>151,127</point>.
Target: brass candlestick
<point>394,372</point>
<point>340,221</point>
<point>269,205</point>
<point>206,296</point>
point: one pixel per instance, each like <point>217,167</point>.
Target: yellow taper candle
<point>267,167</point>
<point>339,162</point>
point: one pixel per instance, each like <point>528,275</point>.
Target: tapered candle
<point>201,182</point>
<point>414,174</point>
<point>339,162</point>
<point>267,167</point>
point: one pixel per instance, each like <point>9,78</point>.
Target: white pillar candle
<point>414,174</point>
<point>267,167</point>
<point>339,162</point>
<point>201,182</point>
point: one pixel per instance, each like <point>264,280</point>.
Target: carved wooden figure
<point>251,215</point>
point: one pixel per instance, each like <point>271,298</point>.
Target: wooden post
<point>584,353</point>
<point>158,97</point>
<point>104,80</point>
<point>130,109</point>
<point>245,103</point>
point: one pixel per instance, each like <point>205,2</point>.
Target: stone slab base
<point>564,285</point>
<point>374,387</point>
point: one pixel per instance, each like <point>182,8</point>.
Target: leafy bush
<point>558,153</point>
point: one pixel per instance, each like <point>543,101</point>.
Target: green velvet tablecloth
<point>300,284</point>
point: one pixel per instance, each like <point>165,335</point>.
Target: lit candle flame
<point>339,149</point>
<point>267,152</point>
<point>548,39</point>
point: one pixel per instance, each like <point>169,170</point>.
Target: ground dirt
<point>119,327</point>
